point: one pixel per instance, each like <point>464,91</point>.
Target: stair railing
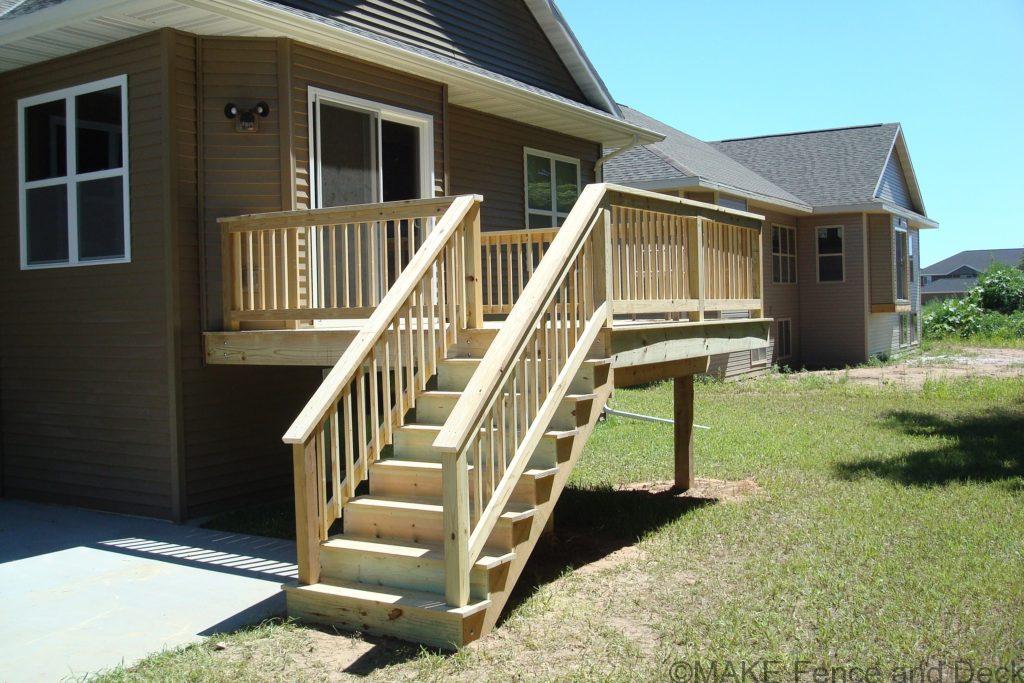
<point>523,377</point>
<point>352,415</point>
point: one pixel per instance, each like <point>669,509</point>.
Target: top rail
<point>354,213</point>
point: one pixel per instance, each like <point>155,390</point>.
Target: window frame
<point>72,178</point>
<point>789,338</point>
<point>901,231</point>
<point>553,213</point>
<point>819,255</point>
<point>781,255</point>
<point>762,359</point>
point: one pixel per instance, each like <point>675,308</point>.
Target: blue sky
<point>951,72</point>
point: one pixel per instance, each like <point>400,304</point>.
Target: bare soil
<point>915,370</point>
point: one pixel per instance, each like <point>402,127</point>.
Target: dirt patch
<point>714,490</point>
<point>914,371</point>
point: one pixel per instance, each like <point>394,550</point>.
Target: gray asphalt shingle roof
<point>978,259</point>
<point>949,285</point>
<point>823,168</point>
<point>681,156</point>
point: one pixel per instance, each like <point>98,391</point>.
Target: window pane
<point>100,219</point>
<point>830,241</point>
<point>567,187</point>
<point>538,183</point>
<point>776,240</point>
<point>830,268</point>
<point>46,154</point>
<point>776,268</point>
<point>46,210</point>
<point>542,221</point>
<point>98,130</point>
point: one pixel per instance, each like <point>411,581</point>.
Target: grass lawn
<point>889,529</point>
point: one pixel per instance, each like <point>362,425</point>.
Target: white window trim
<point>554,213</point>
<point>771,246</point>
<point>383,112</point>
<point>818,254</point>
<point>72,177</point>
<point>778,354</point>
<point>899,225</point>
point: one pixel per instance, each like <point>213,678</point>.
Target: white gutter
<point>679,183</point>
<point>599,164</point>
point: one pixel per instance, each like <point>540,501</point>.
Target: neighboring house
<point>841,250</point>
<point>952,277</point>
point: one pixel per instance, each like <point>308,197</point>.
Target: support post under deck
<point>683,431</point>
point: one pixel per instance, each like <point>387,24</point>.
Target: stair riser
<point>427,484</point>
<point>415,526</point>
<point>402,572</point>
<point>419,445</point>
<point>455,377</point>
<point>434,410</point>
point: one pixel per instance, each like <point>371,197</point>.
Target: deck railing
<point>649,249</point>
<point>320,264</point>
<point>366,395</point>
<point>509,260</point>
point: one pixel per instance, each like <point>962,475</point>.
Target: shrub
<point>955,317</point>
<point>1002,288</point>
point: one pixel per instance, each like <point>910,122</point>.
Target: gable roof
<point>949,285</point>
<point>823,167</point>
<point>682,159</point>
<point>976,259</point>
<point>38,30</point>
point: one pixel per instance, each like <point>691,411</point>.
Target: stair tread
<point>426,505</point>
<point>447,393</point>
<point>416,427</point>
<point>398,597</point>
<point>413,465</point>
<point>489,557</point>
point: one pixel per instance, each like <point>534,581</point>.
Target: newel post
<point>307,511</point>
<point>455,514</point>
<point>474,269</point>
<point>603,264</point>
<point>695,265</point>
<point>228,276</point>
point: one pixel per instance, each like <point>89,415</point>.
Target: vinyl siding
<point>880,259</point>
<point>883,333</point>
<point>233,417</point>
<point>498,35</point>
<point>84,355</point>
<point>893,186</point>
<point>833,315</point>
<point>487,158</point>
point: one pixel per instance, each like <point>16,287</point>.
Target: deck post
<point>474,270</point>
<point>683,431</point>
<point>307,512</point>
<point>455,510</point>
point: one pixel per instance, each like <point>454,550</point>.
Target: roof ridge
<point>807,132</point>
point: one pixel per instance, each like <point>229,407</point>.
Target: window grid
<point>783,254</point>
<point>72,179</point>
<point>784,339</point>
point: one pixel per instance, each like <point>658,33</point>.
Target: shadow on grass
<point>590,525</point>
<point>978,447</point>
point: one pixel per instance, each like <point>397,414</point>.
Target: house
<point>952,277</point>
<point>370,227</point>
<point>844,211</point>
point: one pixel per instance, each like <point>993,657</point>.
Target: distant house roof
<point>949,285</point>
<point>975,259</point>
<point>829,168</point>
<point>681,157</point>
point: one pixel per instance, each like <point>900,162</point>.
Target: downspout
<point>599,164</point>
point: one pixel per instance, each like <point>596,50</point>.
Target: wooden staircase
<point>385,574</point>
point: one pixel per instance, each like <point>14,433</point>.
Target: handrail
<point>351,213</point>
<point>345,424</point>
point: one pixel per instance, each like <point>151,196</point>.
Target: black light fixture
<point>245,120</point>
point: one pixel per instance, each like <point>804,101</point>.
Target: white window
<point>759,356</point>
<point>783,254</point>
<point>830,254</point>
<point>901,258</point>
<point>784,338</point>
<point>552,185</point>
<point>73,176</point>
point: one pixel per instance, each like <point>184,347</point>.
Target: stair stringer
<point>524,550</point>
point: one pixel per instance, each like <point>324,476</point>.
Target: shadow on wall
<point>974,447</point>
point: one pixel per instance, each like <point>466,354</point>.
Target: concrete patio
<point>84,591</point>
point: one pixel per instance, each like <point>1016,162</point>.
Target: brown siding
<point>880,259</point>
<point>487,158</point>
<point>833,315</point>
<point>85,367</point>
<point>315,67</point>
<point>233,417</point>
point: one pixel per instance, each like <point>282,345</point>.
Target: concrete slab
<point>83,591</point>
